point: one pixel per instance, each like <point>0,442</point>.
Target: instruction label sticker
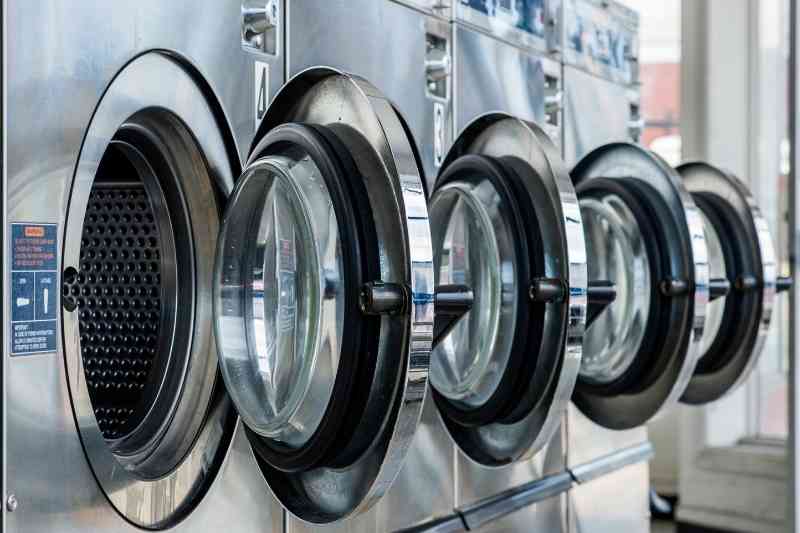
<point>34,288</point>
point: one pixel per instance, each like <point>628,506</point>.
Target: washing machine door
<point>324,295</point>
<point>644,234</point>
<point>741,256</point>
<point>505,221</point>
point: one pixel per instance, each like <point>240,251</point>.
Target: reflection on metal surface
<point>470,232</point>
<point>588,118</point>
<point>495,76</point>
<point>602,466</point>
<point>615,244</point>
<point>530,24</point>
<point>487,511</point>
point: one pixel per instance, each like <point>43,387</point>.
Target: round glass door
<point>474,245</point>
<point>616,245</point>
<point>323,284</point>
<point>645,236</point>
<point>283,278</point>
<point>742,261</point>
<point>504,221</point>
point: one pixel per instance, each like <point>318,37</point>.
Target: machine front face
<point>138,255</point>
<point>321,285</point>
<point>136,152</point>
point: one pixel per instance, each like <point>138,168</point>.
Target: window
<point>660,75</point>
<point>769,182</point>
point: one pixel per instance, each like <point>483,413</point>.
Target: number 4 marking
<point>261,91</point>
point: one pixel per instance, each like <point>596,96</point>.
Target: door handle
<point>451,303</point>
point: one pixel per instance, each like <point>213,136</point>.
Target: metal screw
<point>12,503</point>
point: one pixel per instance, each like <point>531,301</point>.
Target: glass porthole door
<point>505,222</point>
<point>645,235</point>
<point>741,256</point>
<point>324,295</point>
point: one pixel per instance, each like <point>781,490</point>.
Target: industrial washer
<point>222,290</point>
<point>191,244</point>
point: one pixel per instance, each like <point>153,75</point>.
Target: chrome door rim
<point>499,135</point>
<point>751,215</point>
<point>629,161</point>
<point>369,125</point>
<point>177,492</point>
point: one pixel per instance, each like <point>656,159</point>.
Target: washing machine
<point>404,47</point>
<point>501,390</point>
<point>493,423</point>
<point>218,285</point>
<point>657,233</point>
<point>601,105</point>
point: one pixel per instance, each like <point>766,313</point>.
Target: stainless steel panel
<point>378,40</point>
<point>596,112</point>
<point>475,482</point>
<point>423,489</point>
<point>385,42</point>
<point>608,505</point>
<point>491,75</point>
<point>618,501</point>
<point>440,8</point>
<point>58,60</point>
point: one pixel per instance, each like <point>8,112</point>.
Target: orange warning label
<point>34,231</point>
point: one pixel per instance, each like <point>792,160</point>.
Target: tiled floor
<point>660,526</point>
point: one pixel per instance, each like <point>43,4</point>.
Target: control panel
<point>532,24</point>
<point>601,37</point>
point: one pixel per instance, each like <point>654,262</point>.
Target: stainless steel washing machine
<point>503,407</point>
<point>69,92</point>
<point>405,50</point>
<point>220,291</point>
<point>187,243</point>
<point>601,102</point>
<point>656,233</point>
